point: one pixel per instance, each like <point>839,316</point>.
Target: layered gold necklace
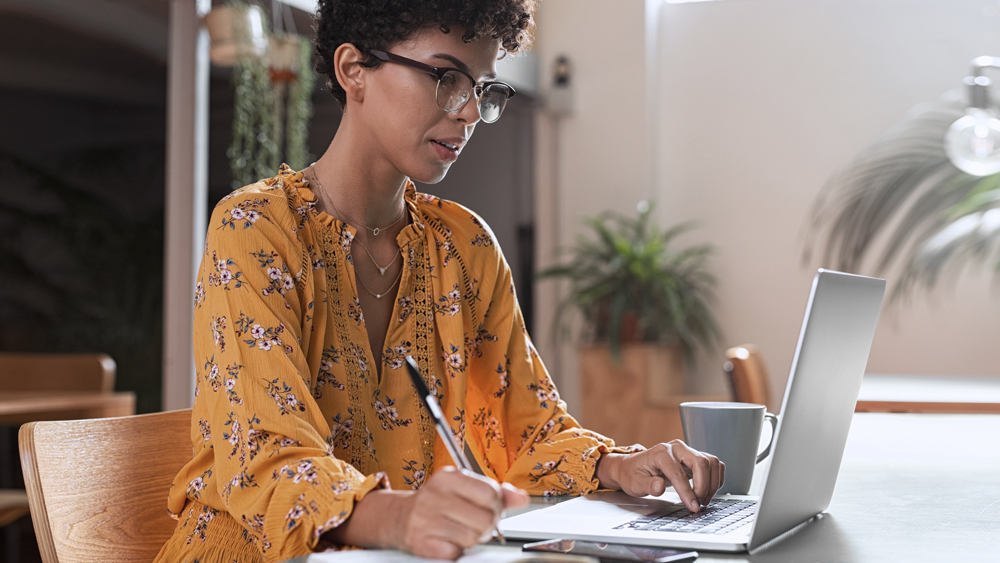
<point>375,232</point>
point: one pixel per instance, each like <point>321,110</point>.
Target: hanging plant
<point>299,108</point>
<point>272,100</point>
<point>237,31</point>
<point>253,153</point>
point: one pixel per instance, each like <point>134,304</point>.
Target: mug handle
<point>773,419</point>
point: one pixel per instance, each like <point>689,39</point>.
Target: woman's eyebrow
<point>460,65</point>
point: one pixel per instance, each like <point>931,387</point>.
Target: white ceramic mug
<point>730,432</point>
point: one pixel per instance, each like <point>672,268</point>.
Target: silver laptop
<point>820,397</point>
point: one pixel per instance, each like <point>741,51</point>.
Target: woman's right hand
<point>452,511</point>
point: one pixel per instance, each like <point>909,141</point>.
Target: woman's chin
<point>432,176</point>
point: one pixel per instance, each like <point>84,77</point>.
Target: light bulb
<point>973,143</point>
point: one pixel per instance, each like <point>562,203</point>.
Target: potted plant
<point>273,83</point>
<point>293,83</point>
<point>253,152</point>
<point>237,31</point>
<point>645,306</point>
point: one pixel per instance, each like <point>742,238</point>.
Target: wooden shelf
<point>929,394</point>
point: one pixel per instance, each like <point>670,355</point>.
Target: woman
<point>315,285</point>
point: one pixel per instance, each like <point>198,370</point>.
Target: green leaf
<point>628,266</point>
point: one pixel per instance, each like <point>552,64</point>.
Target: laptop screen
<point>820,396</point>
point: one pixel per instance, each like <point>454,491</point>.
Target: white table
<point>912,487</point>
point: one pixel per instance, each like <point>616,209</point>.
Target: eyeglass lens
<point>492,102</point>
<point>455,89</point>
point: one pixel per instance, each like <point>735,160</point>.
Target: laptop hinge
<point>781,537</point>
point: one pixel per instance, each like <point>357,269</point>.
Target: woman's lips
<point>446,151</point>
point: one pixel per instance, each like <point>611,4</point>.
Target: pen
<point>444,431</point>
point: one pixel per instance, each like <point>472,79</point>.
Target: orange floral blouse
<point>292,424</point>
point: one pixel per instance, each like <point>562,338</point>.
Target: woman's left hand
<point>673,463</point>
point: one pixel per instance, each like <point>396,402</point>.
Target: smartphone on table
<point>612,552</point>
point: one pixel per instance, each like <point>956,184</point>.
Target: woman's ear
<point>347,65</point>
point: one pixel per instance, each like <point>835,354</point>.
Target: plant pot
<point>620,400</point>
<point>237,32</point>
<point>284,58</point>
<point>630,330</point>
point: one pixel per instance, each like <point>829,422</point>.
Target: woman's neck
<point>361,184</point>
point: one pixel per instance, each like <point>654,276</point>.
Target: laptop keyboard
<point>719,517</point>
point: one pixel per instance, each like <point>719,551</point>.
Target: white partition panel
<point>186,193</point>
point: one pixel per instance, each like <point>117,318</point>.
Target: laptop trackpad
<point>617,500</point>
<point>597,509</point>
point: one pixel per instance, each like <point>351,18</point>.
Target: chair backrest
<point>13,505</point>
<point>66,372</point>
<point>98,488</point>
<point>747,374</point>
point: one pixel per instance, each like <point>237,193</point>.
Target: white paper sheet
<point>481,554</point>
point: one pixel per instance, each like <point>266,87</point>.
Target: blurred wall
<point>762,100</point>
<point>594,159</point>
<point>751,105</point>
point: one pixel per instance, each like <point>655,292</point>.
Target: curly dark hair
<point>379,24</point>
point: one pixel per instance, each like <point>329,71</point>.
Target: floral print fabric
<point>292,423</point>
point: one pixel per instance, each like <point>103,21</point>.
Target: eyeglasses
<point>456,87</point>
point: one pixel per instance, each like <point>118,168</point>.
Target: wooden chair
<point>98,488</point>
<point>65,372</point>
<point>34,372</point>
<point>747,374</point>
<point>13,505</point>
